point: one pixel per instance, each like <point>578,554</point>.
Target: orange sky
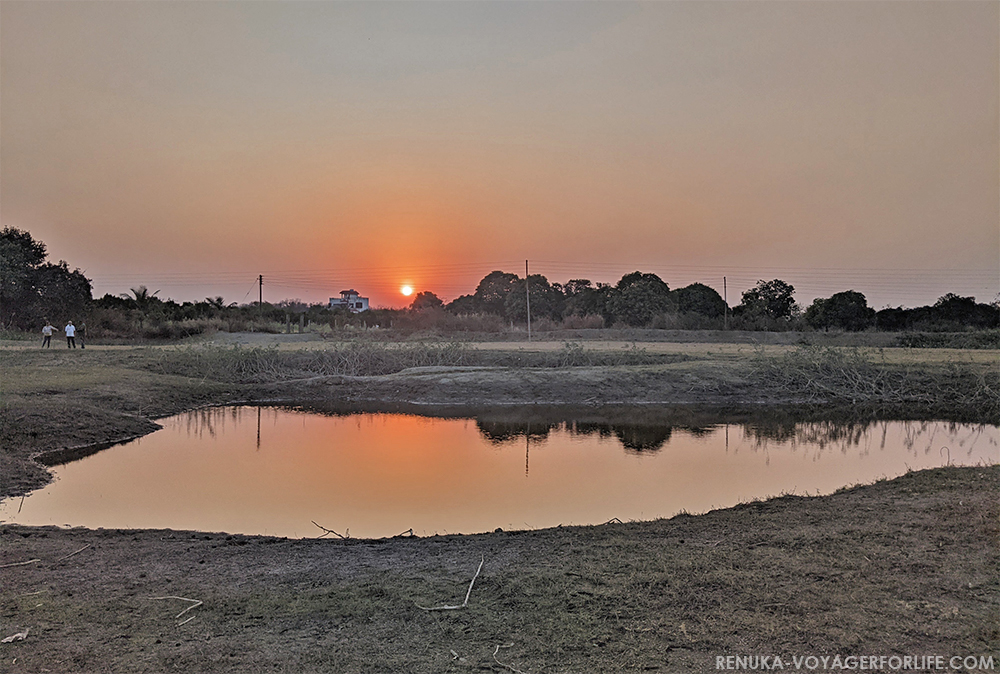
<point>190,146</point>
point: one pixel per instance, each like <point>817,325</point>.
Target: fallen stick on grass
<point>20,636</point>
<point>502,664</point>
<point>75,552</point>
<point>196,603</point>
<point>30,561</point>
<point>32,594</point>
<point>467,594</point>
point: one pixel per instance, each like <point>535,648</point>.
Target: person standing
<point>81,332</point>
<point>47,331</point>
<point>70,335</point>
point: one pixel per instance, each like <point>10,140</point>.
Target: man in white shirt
<point>70,336</point>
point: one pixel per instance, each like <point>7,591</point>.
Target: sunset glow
<point>324,146</point>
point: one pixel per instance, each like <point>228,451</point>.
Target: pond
<point>282,471</point>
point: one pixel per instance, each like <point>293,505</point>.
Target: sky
<point>192,146</point>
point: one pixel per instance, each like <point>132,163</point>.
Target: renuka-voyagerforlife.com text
<point>895,663</point>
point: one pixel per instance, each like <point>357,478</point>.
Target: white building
<point>350,300</point>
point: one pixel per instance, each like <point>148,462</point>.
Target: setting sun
<point>406,290</point>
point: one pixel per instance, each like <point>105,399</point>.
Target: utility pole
<point>725,313</point>
<point>260,297</point>
<point>527,298</point>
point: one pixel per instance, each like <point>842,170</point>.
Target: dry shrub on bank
<point>363,358</point>
<point>256,365</point>
<point>862,376</point>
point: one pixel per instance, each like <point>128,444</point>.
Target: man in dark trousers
<point>70,335</point>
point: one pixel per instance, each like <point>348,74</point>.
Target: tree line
<point>645,300</point>
<point>33,290</point>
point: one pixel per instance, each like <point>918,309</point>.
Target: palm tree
<point>142,299</point>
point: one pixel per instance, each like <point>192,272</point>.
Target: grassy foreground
<point>899,567</point>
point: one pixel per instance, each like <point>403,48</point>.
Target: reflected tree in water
<point>499,432</point>
<point>645,439</point>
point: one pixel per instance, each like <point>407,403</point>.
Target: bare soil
<point>907,566</point>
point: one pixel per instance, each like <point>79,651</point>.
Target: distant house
<point>350,300</point>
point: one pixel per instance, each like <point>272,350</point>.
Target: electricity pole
<point>527,298</point>
<point>260,300</point>
<point>725,313</point>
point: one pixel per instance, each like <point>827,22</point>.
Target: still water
<point>275,471</point>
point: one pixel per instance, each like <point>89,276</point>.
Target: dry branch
<point>74,552</point>
<point>195,604</point>
<point>20,636</point>
<point>30,561</point>
<point>503,664</point>
<point>330,531</point>
<point>467,594</point>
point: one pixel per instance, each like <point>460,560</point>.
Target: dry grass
<point>365,359</point>
<point>864,376</point>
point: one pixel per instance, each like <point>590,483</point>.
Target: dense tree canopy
<point>464,305</point>
<point>426,300</point>
<point>771,299</point>
<point>637,298</point>
<point>33,290</point>
<point>584,299</point>
<point>847,310</point>
<point>546,300</point>
<point>950,312</point>
<point>698,298</point>
<point>492,291</point>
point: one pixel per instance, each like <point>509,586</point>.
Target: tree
<point>546,300</point>
<point>142,301</point>
<point>426,300</point>
<point>772,299</point>
<point>583,299</point>
<point>847,310</point>
<point>491,293</point>
<point>62,292</point>
<point>464,304</point>
<point>638,298</point>
<point>32,289</point>
<point>698,298</point>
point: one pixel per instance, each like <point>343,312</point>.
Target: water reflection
<point>275,470</point>
<point>819,435</point>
